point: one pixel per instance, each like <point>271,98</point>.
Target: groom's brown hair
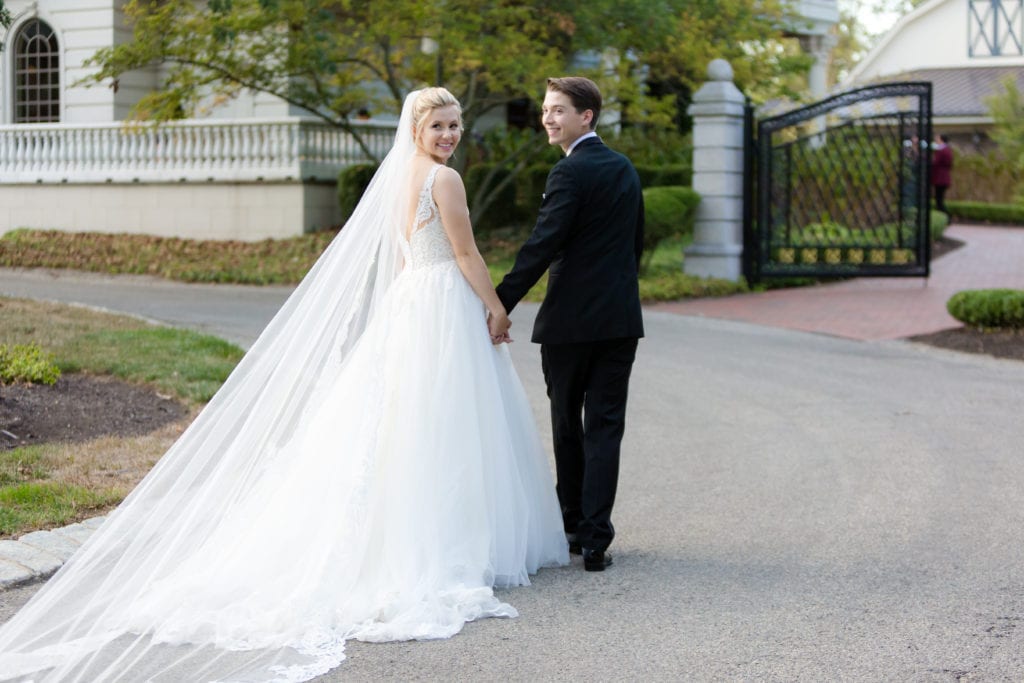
<point>582,92</point>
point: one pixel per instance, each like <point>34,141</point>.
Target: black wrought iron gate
<point>841,187</point>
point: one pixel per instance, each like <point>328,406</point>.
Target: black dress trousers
<point>587,384</point>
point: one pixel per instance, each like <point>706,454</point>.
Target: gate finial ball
<point>719,70</point>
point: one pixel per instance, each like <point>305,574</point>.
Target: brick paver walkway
<point>881,308</point>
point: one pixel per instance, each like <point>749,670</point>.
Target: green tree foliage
<point>750,34</point>
<point>5,19</point>
<point>1007,109</point>
<point>337,57</point>
<point>852,42</point>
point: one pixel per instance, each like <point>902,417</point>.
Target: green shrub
<point>830,233</point>
<point>836,244</point>
<point>939,223</point>
<point>669,212</point>
<point>352,183</point>
<point>675,284</point>
<point>888,235</point>
<point>27,363</point>
<point>988,308</point>
<point>650,146</point>
<point>502,209</point>
<point>983,177</point>
<point>986,212</point>
<point>660,176</point>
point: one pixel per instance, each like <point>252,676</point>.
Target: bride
<point>370,470</point>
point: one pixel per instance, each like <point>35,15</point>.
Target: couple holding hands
<point>372,470</point>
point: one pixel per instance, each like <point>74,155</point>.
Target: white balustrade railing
<point>188,151</point>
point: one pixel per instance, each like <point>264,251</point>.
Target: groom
<point>590,233</point>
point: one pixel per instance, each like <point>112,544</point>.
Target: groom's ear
<point>589,120</point>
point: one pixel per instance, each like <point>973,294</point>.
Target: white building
<point>255,168</point>
<point>966,48</point>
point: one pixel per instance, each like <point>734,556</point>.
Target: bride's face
<point>440,132</point>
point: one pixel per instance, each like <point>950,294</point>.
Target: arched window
<point>36,74</point>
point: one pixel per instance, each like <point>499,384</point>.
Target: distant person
<point>942,167</point>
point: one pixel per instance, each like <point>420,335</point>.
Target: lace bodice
<point>428,243</point>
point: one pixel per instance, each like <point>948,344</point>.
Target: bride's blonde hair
<point>428,100</point>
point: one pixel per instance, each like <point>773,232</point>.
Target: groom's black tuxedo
<point>590,232</point>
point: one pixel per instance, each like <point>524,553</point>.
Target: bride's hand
<point>498,326</point>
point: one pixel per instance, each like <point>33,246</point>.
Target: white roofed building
<point>965,48</point>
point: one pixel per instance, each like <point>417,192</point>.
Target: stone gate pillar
<point>717,111</point>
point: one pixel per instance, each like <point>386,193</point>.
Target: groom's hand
<point>498,327</point>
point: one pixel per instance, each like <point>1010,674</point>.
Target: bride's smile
<point>440,134</point>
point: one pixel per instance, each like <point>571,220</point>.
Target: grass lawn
<point>185,364</point>
<point>53,484</point>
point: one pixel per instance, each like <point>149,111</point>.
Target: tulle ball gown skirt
<point>414,482</point>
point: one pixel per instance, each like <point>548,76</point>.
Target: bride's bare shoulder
<point>448,185</point>
<point>448,179</point>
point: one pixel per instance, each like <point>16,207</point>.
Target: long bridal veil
<point>89,622</point>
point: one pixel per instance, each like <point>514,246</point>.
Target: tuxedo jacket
<point>589,233</point>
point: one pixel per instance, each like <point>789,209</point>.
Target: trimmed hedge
<point>27,363</point>
<point>661,176</point>
<point>939,223</point>
<point>987,212</point>
<point>352,183</point>
<point>668,212</point>
<point>988,308</point>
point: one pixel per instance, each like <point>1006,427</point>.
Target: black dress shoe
<point>596,560</point>
<point>574,545</point>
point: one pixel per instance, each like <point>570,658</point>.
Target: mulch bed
<point>998,343</point>
<point>81,407</point>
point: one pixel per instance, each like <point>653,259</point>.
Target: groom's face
<point>561,120</point>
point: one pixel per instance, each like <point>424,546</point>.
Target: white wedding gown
<point>413,482</point>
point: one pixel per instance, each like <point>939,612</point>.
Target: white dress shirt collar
<point>585,136</point>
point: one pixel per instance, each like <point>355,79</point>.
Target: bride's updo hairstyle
<point>428,100</point>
